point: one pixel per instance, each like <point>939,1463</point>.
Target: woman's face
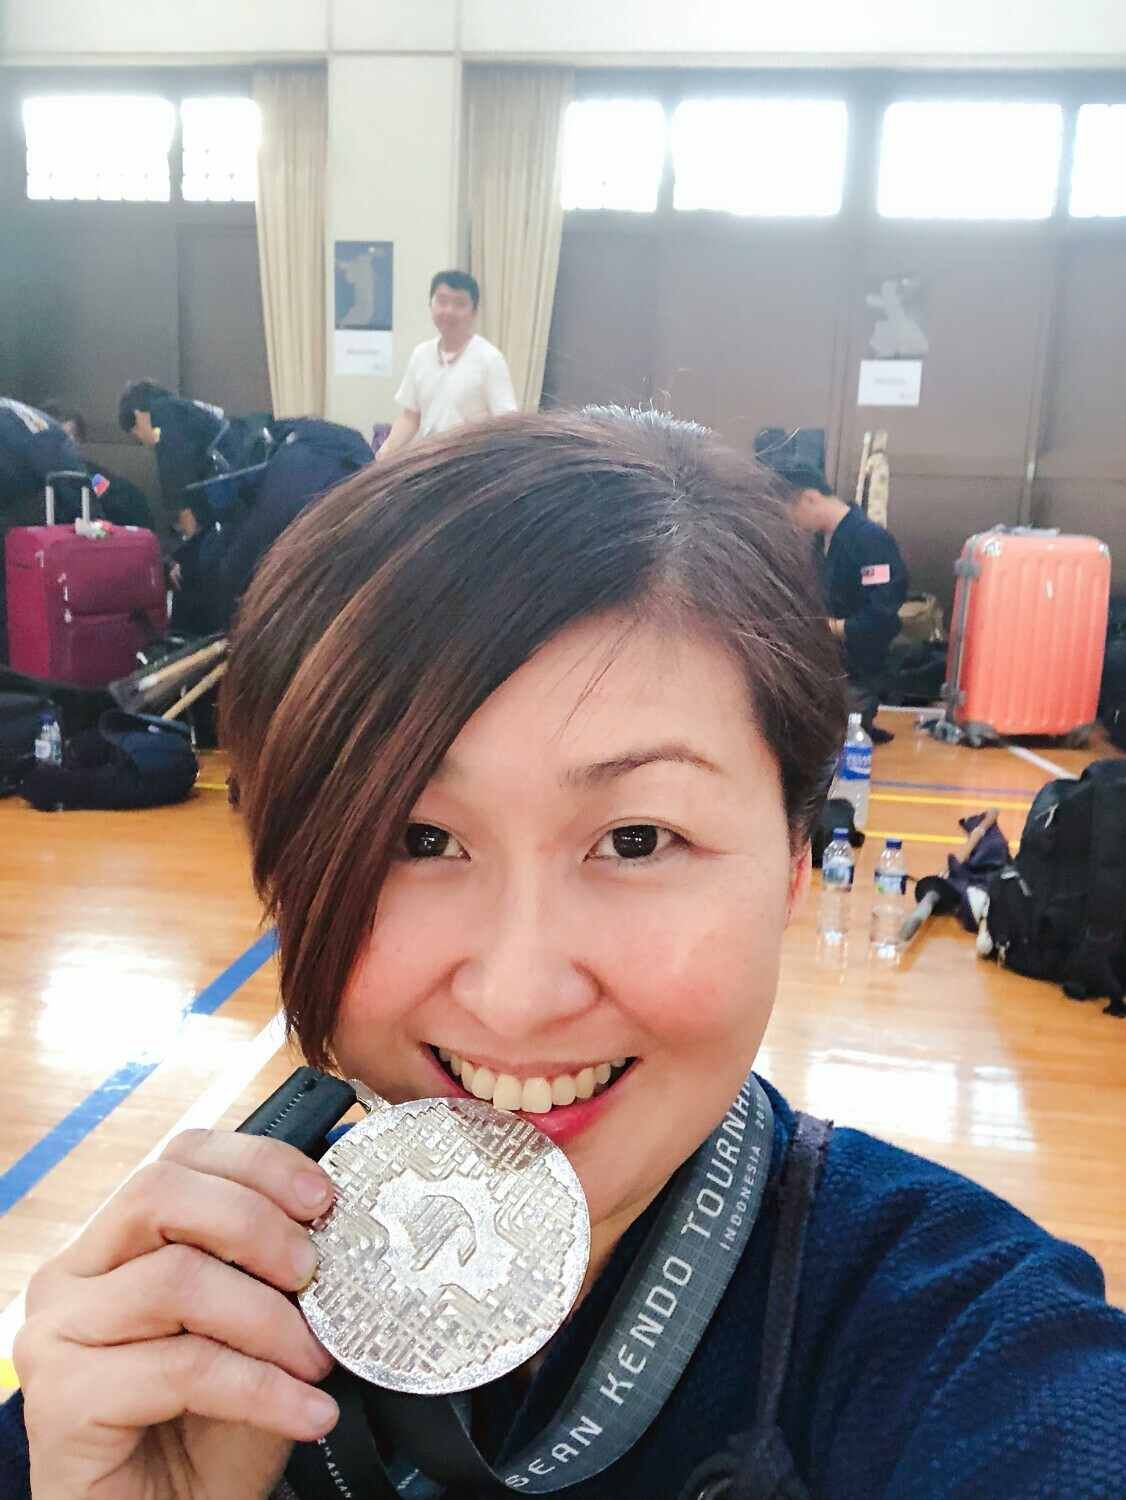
<point>599,871</point>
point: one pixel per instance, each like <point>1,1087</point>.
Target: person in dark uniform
<point>193,441</point>
<point>182,434</point>
<point>863,577</point>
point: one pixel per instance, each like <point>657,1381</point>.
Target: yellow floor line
<point>950,840</point>
<point>971,799</point>
<point>211,786</point>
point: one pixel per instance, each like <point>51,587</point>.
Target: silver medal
<point>457,1245</point>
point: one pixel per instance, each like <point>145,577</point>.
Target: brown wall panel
<point>746,326</point>
<point>600,348</point>
<point>931,517</point>
<point>1087,408</point>
<point>222,338</point>
<point>98,305</point>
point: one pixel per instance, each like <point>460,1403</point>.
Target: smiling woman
<point>530,728</point>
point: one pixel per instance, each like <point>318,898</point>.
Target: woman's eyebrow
<point>602,771</point>
<point>632,760</point>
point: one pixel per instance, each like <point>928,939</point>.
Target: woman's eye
<point>424,841</point>
<point>634,841</point>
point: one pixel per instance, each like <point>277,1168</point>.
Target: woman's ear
<point>801,875</point>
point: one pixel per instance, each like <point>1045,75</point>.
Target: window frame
<point>866,92</point>
<point>1100,220</point>
<point>755,215</point>
<point>173,84</point>
<point>57,96</point>
<point>621,98</point>
<point>194,97</point>
<point>1062,168</point>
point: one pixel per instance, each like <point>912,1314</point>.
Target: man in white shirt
<point>456,378</point>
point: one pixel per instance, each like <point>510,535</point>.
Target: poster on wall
<point>890,382</point>
<point>363,301</point>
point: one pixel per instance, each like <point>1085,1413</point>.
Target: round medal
<point>457,1246</point>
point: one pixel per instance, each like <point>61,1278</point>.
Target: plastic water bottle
<point>838,869</point>
<point>854,773</point>
<point>49,741</point>
<point>889,906</point>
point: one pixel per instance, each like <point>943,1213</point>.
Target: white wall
<point>392,175</point>
<point>395,25</point>
<point>880,31</point>
<point>162,30</point>
<point>893,32</point>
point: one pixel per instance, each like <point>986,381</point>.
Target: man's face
<point>453,313</point>
<point>805,511</point>
<point>144,431</point>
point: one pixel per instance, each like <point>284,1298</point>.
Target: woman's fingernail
<point>322,1411</point>
<point>305,1263</point>
<point>313,1189</point>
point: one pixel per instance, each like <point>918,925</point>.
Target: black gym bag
<point>128,761</point>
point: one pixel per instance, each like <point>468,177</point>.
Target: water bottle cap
<point>840,833</point>
<point>894,844</point>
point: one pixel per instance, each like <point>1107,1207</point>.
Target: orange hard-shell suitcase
<point>1027,634</point>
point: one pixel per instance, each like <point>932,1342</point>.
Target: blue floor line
<point>61,1139</point>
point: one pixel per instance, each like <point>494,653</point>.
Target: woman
<point>530,729</point>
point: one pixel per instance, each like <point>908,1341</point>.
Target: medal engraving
<point>457,1246</point>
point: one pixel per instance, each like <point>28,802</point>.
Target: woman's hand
<point>161,1358</point>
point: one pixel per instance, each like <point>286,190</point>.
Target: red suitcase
<point>1028,634</point>
<point>80,607</point>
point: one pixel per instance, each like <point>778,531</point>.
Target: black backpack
<point>1058,911</point>
<point>1112,694</point>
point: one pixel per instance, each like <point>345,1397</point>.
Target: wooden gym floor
<point>137,997</point>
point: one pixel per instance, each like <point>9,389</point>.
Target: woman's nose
<point>521,973</point>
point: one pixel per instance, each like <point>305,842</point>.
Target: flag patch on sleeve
<point>875,573</point>
<point>99,484</point>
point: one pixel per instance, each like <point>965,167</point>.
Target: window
<point>1098,176</point>
<point>760,156</point>
<point>220,147</point>
<point>969,161</point>
<point>107,146</point>
<point>613,154</point>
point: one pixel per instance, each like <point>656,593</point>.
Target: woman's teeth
<point>535,1095</point>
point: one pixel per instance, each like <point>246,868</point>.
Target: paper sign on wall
<point>890,382</point>
<point>363,302</point>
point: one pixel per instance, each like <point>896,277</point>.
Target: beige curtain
<point>514,129</point>
<point>291,234</point>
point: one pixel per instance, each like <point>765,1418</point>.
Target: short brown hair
<point>389,612</point>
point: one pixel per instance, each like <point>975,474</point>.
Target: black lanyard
<point>650,1333</point>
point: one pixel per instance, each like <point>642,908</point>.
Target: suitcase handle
<point>82,477</point>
